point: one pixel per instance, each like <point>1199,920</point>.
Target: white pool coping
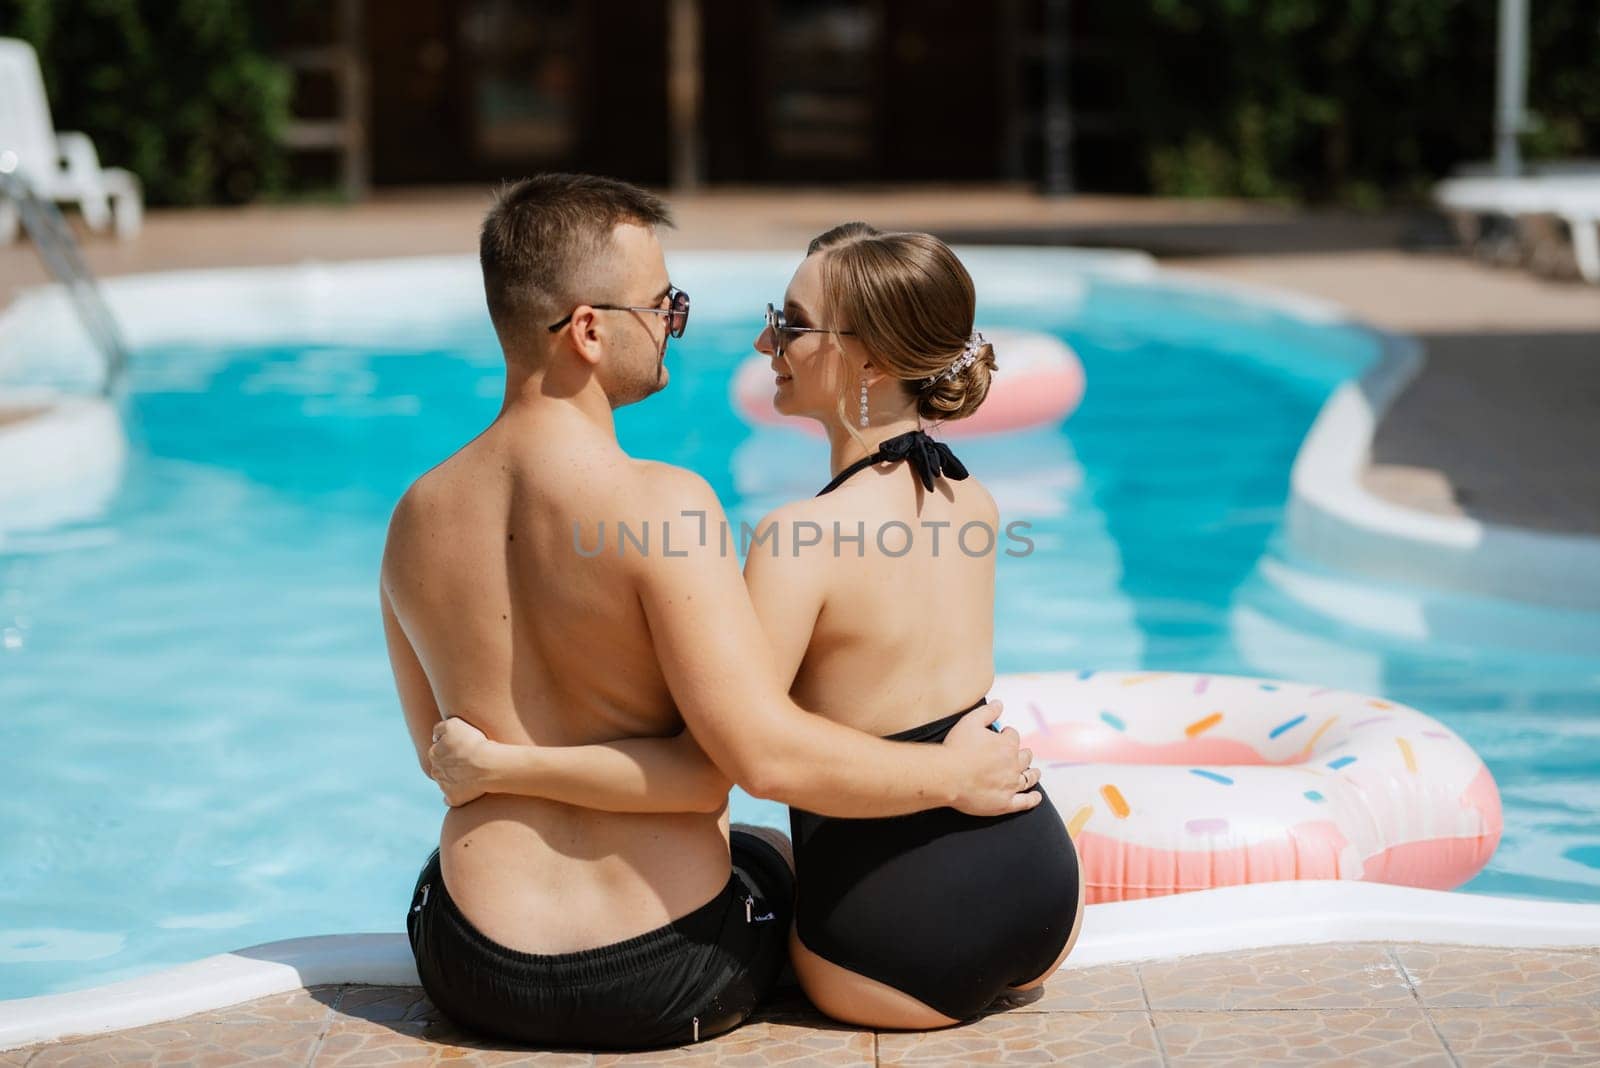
<point>1259,916</point>
<point>1335,520</point>
<point>60,465</point>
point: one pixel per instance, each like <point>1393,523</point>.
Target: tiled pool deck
<point>1364,1003</point>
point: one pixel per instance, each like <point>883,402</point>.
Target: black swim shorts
<point>698,976</point>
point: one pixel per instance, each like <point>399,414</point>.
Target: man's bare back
<point>536,643</point>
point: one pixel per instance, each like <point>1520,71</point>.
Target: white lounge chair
<point>1572,198</point>
<point>59,166</point>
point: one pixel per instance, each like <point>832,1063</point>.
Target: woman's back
<point>905,630</point>
<point>922,919</point>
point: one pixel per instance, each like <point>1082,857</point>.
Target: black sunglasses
<point>677,312</point>
<point>780,326</point>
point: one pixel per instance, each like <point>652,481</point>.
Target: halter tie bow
<point>928,458</point>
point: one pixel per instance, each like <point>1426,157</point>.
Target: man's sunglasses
<point>780,326</point>
<point>677,312</point>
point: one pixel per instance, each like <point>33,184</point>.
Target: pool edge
<point>1259,916</point>
<point>63,460</point>
<point>1333,519</point>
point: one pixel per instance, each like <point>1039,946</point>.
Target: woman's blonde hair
<point>910,302</point>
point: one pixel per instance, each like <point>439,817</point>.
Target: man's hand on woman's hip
<point>994,773</point>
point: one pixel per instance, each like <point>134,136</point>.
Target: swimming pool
<point>203,746</point>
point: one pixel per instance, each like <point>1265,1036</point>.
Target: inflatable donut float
<point>1172,782</point>
<point>1039,383</point>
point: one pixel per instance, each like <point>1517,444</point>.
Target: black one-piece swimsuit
<point>948,908</point>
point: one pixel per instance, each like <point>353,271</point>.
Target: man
<point>564,925</point>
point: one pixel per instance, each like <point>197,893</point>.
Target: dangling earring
<point>863,401</point>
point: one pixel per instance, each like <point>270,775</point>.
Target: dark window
<point>522,79</point>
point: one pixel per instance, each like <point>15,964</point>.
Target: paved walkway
<point>1503,423</point>
<point>1357,1004</point>
<point>1459,440</point>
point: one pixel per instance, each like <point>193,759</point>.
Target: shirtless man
<point>565,925</point>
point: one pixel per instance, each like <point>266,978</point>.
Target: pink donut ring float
<point>1170,783</point>
<point>1039,383</point>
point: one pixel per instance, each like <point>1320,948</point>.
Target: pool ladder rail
<point>58,248</point>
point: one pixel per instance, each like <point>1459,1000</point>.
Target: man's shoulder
<point>669,486</point>
<point>437,501</point>
<point>421,499</point>
<point>431,495</point>
<point>680,509</point>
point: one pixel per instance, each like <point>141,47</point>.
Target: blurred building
<point>680,92</point>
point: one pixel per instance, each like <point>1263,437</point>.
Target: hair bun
<point>956,392</point>
<point>910,304</point>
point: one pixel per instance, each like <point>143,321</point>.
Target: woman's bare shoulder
<point>786,532</point>
<point>978,497</point>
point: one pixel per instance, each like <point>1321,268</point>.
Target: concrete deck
<point>1458,442</point>
<point>1503,424</point>
<point>1362,1003</point>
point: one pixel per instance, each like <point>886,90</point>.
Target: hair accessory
<point>969,353</point>
<point>863,400</point>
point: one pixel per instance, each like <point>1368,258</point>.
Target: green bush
<point>174,90</point>
<point>1312,100</point>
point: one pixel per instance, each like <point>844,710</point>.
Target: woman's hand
<point>462,761</point>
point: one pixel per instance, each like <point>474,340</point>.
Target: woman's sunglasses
<point>677,312</point>
<point>780,326</point>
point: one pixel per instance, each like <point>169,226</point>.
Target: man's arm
<point>725,681</point>
<point>416,693</point>
<point>628,775</point>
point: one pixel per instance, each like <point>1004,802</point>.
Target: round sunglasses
<point>780,326</point>
<point>677,312</point>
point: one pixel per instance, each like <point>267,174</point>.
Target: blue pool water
<point>201,742</point>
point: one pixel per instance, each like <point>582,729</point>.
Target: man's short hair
<point>549,235</point>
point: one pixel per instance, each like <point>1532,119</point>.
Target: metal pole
<point>53,241</point>
<point>1057,115</point>
<point>1511,90</point>
<point>683,93</point>
<point>1013,114</point>
<point>356,174</point>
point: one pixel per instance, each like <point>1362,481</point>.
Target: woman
<point>919,921</point>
